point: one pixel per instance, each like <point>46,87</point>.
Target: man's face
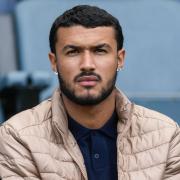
<point>86,61</point>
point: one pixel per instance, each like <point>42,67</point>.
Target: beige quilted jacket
<point>36,144</point>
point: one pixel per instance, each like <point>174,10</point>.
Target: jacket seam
<point>54,173</point>
<point>13,158</point>
<point>33,125</point>
<point>129,154</point>
<point>54,157</point>
<point>20,176</point>
<point>23,135</point>
<point>130,171</point>
<point>155,130</point>
<point>155,118</point>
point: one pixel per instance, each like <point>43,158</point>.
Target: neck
<point>92,117</point>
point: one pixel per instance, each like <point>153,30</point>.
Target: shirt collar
<point>109,129</point>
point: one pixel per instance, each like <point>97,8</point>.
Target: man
<point>88,129</point>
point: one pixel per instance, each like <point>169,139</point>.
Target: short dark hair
<point>86,16</point>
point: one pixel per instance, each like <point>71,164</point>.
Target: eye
<point>100,51</point>
<point>72,52</point>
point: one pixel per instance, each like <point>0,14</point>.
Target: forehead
<point>85,36</point>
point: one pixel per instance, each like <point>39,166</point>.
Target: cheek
<point>108,63</point>
<point>67,71</point>
<point>109,73</point>
<point>108,69</point>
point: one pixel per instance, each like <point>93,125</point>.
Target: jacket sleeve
<point>172,171</point>
<point>15,159</point>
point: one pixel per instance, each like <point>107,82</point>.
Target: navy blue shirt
<point>98,147</point>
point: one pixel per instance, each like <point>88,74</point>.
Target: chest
<point>100,155</point>
<point>142,157</point>
<point>138,157</point>
<point>55,161</point>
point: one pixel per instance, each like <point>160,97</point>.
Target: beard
<point>89,99</point>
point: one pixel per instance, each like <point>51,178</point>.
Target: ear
<point>121,58</point>
<point>53,61</point>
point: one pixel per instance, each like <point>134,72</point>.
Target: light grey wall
<point>7,48</point>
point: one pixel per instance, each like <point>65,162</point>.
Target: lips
<point>89,80</point>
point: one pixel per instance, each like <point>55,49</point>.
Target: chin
<point>88,93</point>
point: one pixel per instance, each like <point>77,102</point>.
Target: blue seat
<point>151,30</point>
<point>7,6</point>
<point>16,84</point>
<point>7,58</point>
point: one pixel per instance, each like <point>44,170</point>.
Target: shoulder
<point>150,133</point>
<point>145,113</point>
<point>28,119</point>
<point>145,120</point>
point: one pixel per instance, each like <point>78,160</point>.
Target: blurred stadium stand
<point>151,30</point>
<point>7,6</point>
<point>7,45</point>
<point>19,88</point>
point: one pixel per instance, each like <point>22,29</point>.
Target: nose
<point>87,61</point>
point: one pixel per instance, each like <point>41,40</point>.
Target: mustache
<point>87,73</point>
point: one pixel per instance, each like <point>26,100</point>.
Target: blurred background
<point>152,68</point>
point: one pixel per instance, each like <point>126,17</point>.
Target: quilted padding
<point>36,144</point>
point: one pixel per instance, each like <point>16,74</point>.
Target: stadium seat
<point>16,85</point>
<point>7,6</point>
<point>7,55</point>
<point>151,30</point>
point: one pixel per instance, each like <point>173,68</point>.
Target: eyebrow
<point>69,46</point>
<point>104,45</point>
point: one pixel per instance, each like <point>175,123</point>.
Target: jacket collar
<point>59,115</point>
<point>123,108</point>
